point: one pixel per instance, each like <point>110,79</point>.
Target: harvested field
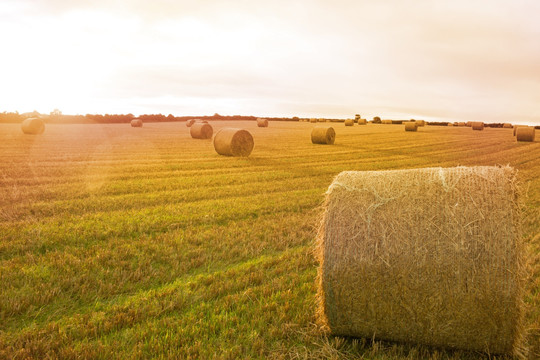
<point>138,244</point>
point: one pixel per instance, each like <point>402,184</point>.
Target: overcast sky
<point>425,59</point>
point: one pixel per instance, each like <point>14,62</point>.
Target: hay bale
<point>420,122</point>
<point>507,126</point>
<point>516,127</point>
<point>233,142</point>
<point>321,120</point>
<point>461,124</point>
<point>33,126</point>
<point>190,122</point>
<point>312,120</point>
<point>468,123</point>
<point>262,122</point>
<point>477,125</point>
<point>136,123</point>
<point>387,122</point>
<point>357,117</point>
<point>450,124</point>
<point>362,122</point>
<point>525,133</point>
<point>432,256</point>
<point>349,122</point>
<point>323,135</point>
<point>411,126</point>
<point>200,130</point>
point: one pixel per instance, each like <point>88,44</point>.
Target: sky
<point>436,60</point>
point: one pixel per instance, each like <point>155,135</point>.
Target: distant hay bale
<point>200,130</point>
<point>387,122</point>
<point>323,135</point>
<point>33,126</point>
<point>525,133</point>
<point>420,122</point>
<point>411,126</point>
<point>349,122</point>
<point>461,124</point>
<point>450,124</point>
<point>313,120</point>
<point>136,123</point>
<point>431,256</point>
<point>357,117</point>
<point>262,122</point>
<point>190,122</point>
<point>233,142</point>
<point>477,125</point>
<point>362,122</point>
<point>321,120</point>
<point>507,126</point>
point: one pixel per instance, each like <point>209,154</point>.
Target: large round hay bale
<point>411,126</point>
<point>313,120</point>
<point>190,122</point>
<point>507,126</point>
<point>431,256</point>
<point>323,135</point>
<point>362,122</point>
<point>200,130</point>
<point>233,142</point>
<point>136,123</point>
<point>33,126</point>
<point>525,133</point>
<point>349,122</point>
<point>262,122</point>
<point>477,125</point>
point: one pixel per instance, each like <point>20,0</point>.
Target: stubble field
<point>120,242</point>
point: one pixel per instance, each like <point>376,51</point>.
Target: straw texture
<point>525,133</point>
<point>420,122</point>
<point>313,120</point>
<point>233,142</point>
<point>477,125</point>
<point>362,122</point>
<point>262,122</point>
<point>200,130</point>
<point>136,123</point>
<point>411,126</point>
<point>349,122</point>
<point>387,122</point>
<point>33,126</point>
<point>516,127</point>
<point>507,126</point>
<point>190,122</point>
<point>431,256</point>
<point>323,135</point>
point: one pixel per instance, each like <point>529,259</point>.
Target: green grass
<point>120,242</point>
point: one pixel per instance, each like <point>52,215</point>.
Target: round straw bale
<point>516,127</point>
<point>431,256</point>
<point>525,133</point>
<point>323,135</point>
<point>357,117</point>
<point>450,124</point>
<point>361,121</point>
<point>468,123</point>
<point>190,122</point>
<point>136,123</point>
<point>33,126</point>
<point>507,126</point>
<point>411,126</point>
<point>420,122</point>
<point>461,124</point>
<point>200,130</point>
<point>349,122</point>
<point>321,120</point>
<point>477,125</point>
<point>262,122</point>
<point>313,120</point>
<point>233,142</point>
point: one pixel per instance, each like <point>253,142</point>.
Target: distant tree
<point>296,118</point>
<point>376,120</point>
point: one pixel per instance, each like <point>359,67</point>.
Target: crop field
<point>120,242</point>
